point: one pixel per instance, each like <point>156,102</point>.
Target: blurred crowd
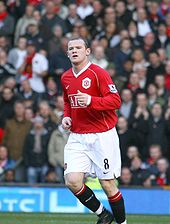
<point>128,38</point>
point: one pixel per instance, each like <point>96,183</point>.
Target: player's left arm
<point>109,98</point>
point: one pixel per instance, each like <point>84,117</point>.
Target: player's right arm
<point>66,123</point>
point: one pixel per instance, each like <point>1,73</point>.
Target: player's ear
<point>88,51</point>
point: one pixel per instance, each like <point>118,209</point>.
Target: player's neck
<point>78,67</point>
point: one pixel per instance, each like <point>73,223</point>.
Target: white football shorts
<point>96,154</point>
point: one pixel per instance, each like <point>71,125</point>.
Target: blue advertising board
<point>42,199</point>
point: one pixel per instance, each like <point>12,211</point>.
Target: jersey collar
<point>82,70</point>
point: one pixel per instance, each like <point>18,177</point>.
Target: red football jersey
<point>100,115</point>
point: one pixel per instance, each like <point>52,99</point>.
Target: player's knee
<point>73,184</point>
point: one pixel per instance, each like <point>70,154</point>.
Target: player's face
<point>77,52</point>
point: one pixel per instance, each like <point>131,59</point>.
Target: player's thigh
<point>107,161</point>
<point>76,159</point>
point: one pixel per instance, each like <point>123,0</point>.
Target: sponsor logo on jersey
<point>86,83</point>
<point>74,101</point>
<point>112,88</point>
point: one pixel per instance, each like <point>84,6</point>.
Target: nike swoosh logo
<point>105,172</point>
<point>67,87</point>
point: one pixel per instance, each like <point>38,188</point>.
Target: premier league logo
<point>86,83</point>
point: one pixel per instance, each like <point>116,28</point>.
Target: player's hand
<point>66,123</point>
<point>83,98</point>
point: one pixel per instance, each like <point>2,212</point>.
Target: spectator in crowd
<point>23,22</point>
<point>93,21</point>
<point>163,176</point>
<point>126,177</point>
<point>157,127</point>
<point>126,137</point>
<point>121,55</point>
<point>25,68</point>
<point>37,16</point>
<point>51,177</point>
<point>29,113</point>
<point>155,67</point>
<point>152,93</point>
<point>138,59</point>
<point>45,111</point>
<point>51,92</point>
<point>163,54</point>
<point>56,145</point>
<point>132,152</point>
<point>58,110</point>
<point>39,71</point>
<point>17,128</point>
<point>148,44</point>
<point>17,55</point>
<point>164,9</point>
<point>133,84</point>
<point>33,34</point>
<point>7,22</point>
<point>59,62</point>
<point>142,73</point>
<point>27,93</point>
<point>133,34</point>
<point>143,24</point>
<point>155,153</point>
<point>148,180</point>
<point>9,176</point>
<point>35,152</point>
<point>160,84</point>
<point>6,69</point>
<point>153,15</point>
<point>98,57</point>
<point>122,13</point>
<point>162,40</point>
<point>84,9</point>
<point>7,100</point>
<point>11,83</point>
<point>131,5</point>
<point>84,33</point>
<point>110,32</point>
<point>127,105</point>
<point>54,43</point>
<point>35,67</point>
<point>138,170</point>
<point>49,20</point>
<point>72,16</point>
<point>5,42</point>
<point>61,9</point>
<point>109,16</point>
<point>139,122</point>
<point>5,161</point>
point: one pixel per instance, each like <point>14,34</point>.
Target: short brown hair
<point>86,43</point>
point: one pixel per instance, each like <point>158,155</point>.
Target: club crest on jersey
<point>112,88</point>
<point>86,83</point>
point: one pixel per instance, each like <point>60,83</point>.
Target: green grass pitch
<point>44,218</point>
